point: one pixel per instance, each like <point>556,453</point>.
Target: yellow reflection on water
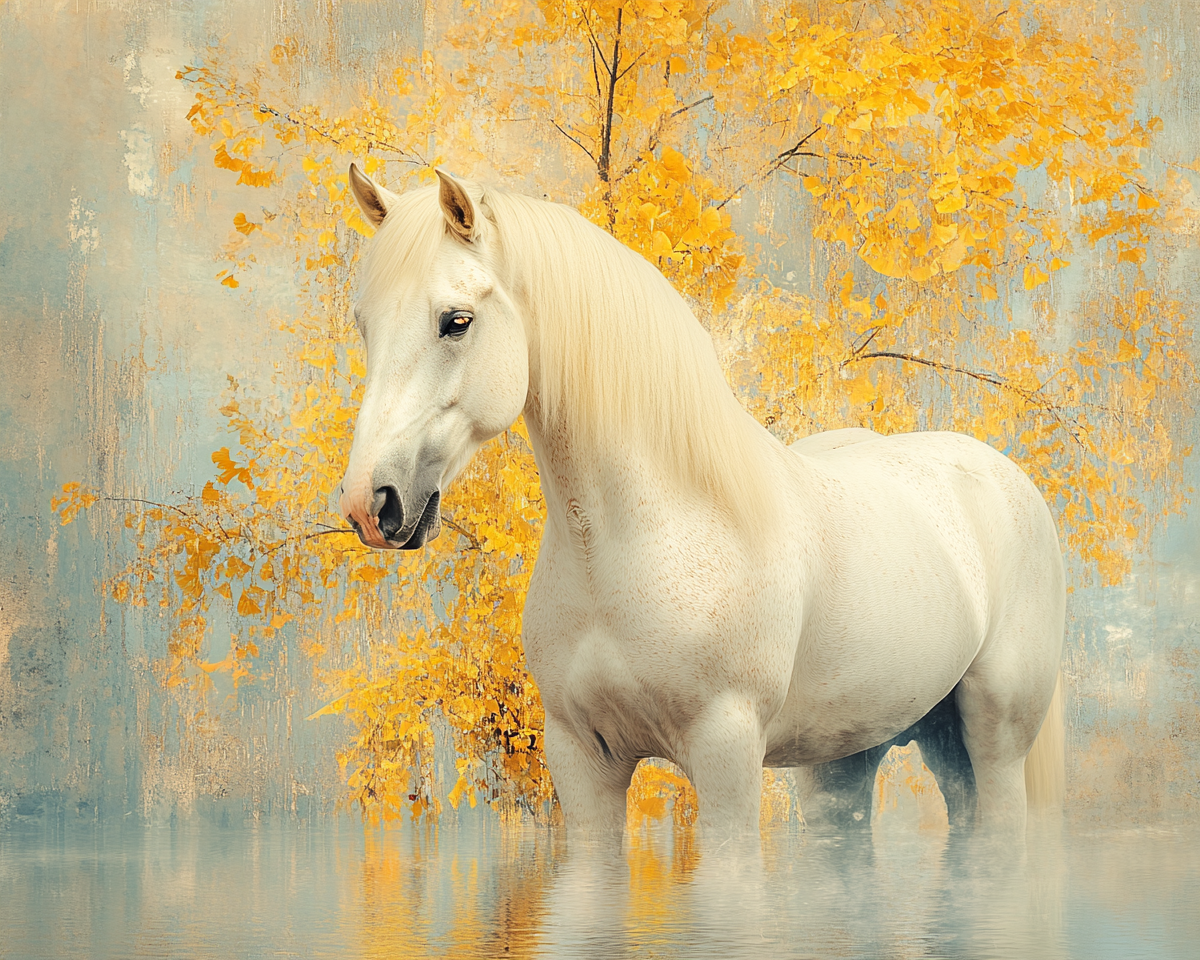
<point>486,888</point>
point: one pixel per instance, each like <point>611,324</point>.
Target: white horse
<point>702,592</point>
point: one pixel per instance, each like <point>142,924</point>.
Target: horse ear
<point>372,199</point>
<point>458,208</point>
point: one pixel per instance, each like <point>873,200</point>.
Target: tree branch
<point>684,109</point>
<point>991,379</point>
<point>779,161</point>
<point>937,365</point>
<point>606,142</point>
<point>406,155</point>
<point>573,140</point>
<point>471,538</point>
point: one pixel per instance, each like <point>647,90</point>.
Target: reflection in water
<point>481,889</point>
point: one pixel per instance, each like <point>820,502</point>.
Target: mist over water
<point>485,889</point>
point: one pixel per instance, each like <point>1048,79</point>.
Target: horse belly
<point>835,712</point>
<point>876,660</point>
<point>905,603</point>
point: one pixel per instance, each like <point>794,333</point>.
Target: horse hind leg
<point>843,791</point>
<point>1005,693</point>
<point>939,735</point>
<point>1003,699</point>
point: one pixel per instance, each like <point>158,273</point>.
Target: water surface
<point>483,889</point>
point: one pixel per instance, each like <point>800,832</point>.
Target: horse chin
<point>428,527</point>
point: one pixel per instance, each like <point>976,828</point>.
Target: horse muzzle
<point>386,525</point>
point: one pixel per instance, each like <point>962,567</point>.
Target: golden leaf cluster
<point>962,187</point>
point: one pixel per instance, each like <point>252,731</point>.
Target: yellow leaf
<point>1127,351</point>
<point>954,201</point>
<point>242,225</point>
<point>863,391</point>
<point>356,223</point>
<point>1034,277</point>
<point>1146,201</point>
<point>710,220</point>
<point>256,178</point>
<point>944,234</point>
<point>455,796</point>
<point>815,186</point>
<point>333,707</point>
<point>661,246</point>
<point>224,160</point>
<point>247,607</point>
<point>368,574</point>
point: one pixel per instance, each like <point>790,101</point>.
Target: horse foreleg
<point>724,755</point>
<point>590,782</point>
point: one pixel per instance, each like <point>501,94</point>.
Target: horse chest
<point>634,640</point>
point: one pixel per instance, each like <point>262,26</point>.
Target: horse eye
<point>454,323</point>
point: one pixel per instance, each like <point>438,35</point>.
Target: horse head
<point>446,356</point>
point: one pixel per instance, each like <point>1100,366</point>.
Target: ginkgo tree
<point>984,245</point>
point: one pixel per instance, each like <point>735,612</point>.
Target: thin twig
<point>937,365</point>
<point>1030,397</point>
<point>687,107</point>
<point>573,140</point>
<point>631,66</point>
<point>779,161</point>
<point>595,43</point>
<point>596,74</point>
<point>307,536</point>
<point>474,541</point>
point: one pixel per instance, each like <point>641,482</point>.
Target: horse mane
<point>616,355</point>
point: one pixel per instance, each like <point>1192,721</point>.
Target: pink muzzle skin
<point>356,512</point>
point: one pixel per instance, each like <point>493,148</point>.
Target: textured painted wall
<point>115,343</point>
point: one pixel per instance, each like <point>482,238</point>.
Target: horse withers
<point>702,593</point>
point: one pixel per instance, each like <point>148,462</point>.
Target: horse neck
<point>581,477</point>
<point>629,383</point>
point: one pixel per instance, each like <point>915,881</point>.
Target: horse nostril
<point>391,514</point>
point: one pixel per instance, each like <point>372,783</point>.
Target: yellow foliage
<point>911,133</point>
